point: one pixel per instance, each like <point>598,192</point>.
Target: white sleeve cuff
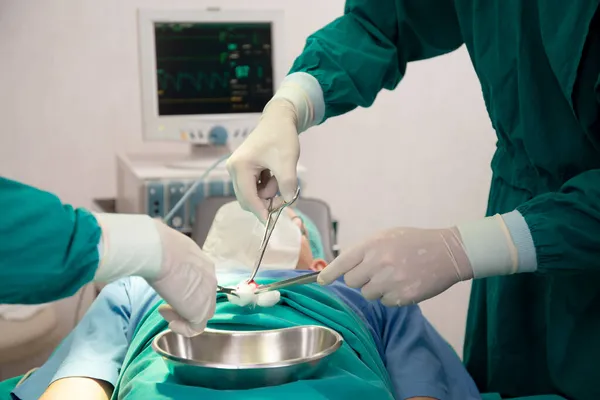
<point>521,236</point>
<point>305,93</point>
<point>130,245</point>
<point>489,247</point>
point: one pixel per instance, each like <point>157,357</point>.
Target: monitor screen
<point>213,68</point>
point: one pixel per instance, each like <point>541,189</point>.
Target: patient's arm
<point>96,348</point>
<point>77,388</point>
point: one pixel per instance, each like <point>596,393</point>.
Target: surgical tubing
<point>192,188</point>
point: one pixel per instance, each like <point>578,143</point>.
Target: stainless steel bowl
<point>243,360</point>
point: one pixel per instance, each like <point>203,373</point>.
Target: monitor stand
<point>201,158</point>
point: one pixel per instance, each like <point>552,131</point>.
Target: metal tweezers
<point>225,290</point>
<point>298,280</point>
<point>272,218</point>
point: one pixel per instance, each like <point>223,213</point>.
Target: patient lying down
<point>289,248</point>
<point>388,353</point>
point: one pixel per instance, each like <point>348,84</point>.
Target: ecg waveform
<point>198,80</point>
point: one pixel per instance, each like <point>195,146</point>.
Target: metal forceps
<point>272,218</point>
<point>224,290</point>
<point>298,280</point>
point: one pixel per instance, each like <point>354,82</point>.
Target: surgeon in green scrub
<point>534,316</point>
<point>49,250</point>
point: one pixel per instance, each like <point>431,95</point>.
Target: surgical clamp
<point>272,218</point>
<point>298,280</point>
<point>224,290</point>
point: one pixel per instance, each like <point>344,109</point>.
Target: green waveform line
<point>197,80</point>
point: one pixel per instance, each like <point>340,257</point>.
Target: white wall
<point>69,100</point>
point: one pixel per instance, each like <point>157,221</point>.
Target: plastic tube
<point>192,188</point>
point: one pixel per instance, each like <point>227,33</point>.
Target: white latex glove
<point>403,265</point>
<point>272,146</point>
<point>171,262</point>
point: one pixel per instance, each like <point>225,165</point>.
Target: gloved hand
<point>403,265</point>
<point>272,146</point>
<point>170,261</point>
<point>408,265</point>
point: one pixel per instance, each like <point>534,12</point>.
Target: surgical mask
<point>235,235</point>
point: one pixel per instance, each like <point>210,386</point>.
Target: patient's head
<point>306,259</point>
<point>235,235</point>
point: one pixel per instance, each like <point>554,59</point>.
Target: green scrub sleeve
<point>565,225</point>
<point>48,250</point>
<point>367,49</point>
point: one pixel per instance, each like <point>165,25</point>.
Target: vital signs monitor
<point>206,75</point>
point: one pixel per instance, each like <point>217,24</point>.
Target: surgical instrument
<point>224,290</point>
<point>273,216</point>
<point>298,280</point>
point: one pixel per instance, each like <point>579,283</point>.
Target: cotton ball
<point>268,299</point>
<point>246,296</point>
<point>240,301</point>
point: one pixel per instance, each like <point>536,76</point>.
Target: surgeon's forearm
<point>499,245</point>
<point>366,50</point>
<point>48,249</point>
<point>555,232</point>
<point>565,226</point>
<point>78,388</point>
<point>305,94</point>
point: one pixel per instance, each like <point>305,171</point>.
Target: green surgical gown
<point>48,250</point>
<point>538,62</point>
